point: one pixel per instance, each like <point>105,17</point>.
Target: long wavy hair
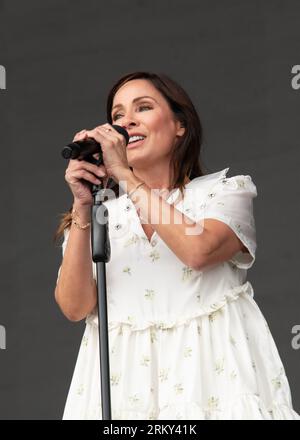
<point>186,158</point>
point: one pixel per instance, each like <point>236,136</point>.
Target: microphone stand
<point>101,252</point>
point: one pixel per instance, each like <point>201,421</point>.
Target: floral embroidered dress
<point>184,344</point>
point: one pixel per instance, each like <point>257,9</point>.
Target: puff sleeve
<point>64,244</point>
<point>230,200</point>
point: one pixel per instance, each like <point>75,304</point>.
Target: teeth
<point>135,138</point>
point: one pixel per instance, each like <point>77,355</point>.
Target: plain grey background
<point>234,58</point>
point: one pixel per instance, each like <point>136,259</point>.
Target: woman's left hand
<point>113,147</point>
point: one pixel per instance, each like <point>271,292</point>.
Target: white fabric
<point>184,344</point>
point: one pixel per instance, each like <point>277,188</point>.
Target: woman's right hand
<point>78,170</point>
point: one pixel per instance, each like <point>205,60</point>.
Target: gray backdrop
<point>233,57</point>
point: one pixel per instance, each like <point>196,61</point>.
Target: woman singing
<point>186,338</point>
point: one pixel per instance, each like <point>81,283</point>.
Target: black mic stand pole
<point>101,255</point>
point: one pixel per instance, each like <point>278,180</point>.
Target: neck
<point>156,178</point>
<point>153,180</point>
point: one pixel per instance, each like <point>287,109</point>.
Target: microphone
<point>84,150</point>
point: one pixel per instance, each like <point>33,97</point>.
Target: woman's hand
<point>113,147</point>
<point>78,170</point>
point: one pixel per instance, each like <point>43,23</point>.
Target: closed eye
<point>139,107</point>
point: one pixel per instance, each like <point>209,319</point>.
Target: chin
<point>138,162</point>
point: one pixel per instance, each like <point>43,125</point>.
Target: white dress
<point>184,344</point>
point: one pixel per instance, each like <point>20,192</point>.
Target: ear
<point>180,128</point>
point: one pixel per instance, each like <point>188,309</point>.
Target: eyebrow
<point>134,100</point>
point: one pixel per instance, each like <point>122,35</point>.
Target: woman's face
<point>150,117</point>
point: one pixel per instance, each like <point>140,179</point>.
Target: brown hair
<point>186,156</point>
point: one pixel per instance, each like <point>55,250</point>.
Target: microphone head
<point>70,151</point>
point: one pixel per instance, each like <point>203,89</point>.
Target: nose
<point>127,124</point>
<point>127,121</point>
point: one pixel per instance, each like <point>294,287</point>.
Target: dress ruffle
<point>139,325</point>
<point>243,407</point>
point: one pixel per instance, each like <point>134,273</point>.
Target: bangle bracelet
<point>134,189</point>
<point>76,223</point>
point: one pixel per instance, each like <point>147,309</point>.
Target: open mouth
<point>136,143</point>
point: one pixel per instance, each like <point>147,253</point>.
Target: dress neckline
<point>153,241</point>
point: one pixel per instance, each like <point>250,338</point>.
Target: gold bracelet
<point>73,214</point>
<point>134,189</point>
